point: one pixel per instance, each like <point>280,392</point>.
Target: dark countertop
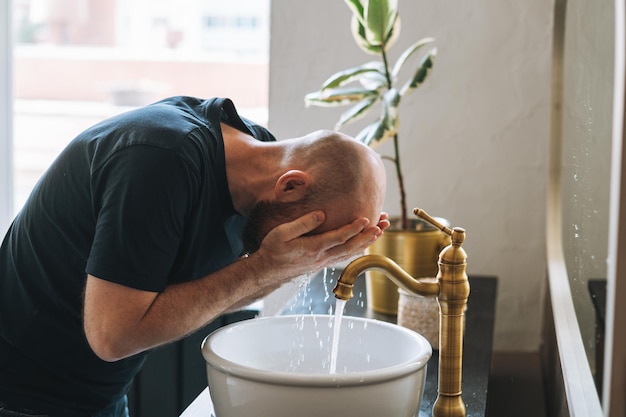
<point>317,298</point>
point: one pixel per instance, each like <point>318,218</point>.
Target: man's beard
<point>264,216</point>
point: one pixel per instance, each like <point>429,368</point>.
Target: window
<point>76,62</point>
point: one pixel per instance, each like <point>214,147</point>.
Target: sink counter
<point>317,298</point>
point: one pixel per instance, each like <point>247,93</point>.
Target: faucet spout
<point>393,271</point>
<point>452,291</point>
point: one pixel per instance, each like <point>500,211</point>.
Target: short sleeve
<point>141,199</point>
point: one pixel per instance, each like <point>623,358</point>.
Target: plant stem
<point>383,55</point>
<point>403,208</point>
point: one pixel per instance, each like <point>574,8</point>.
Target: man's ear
<point>292,186</point>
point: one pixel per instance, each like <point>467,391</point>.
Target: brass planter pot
<point>415,250</point>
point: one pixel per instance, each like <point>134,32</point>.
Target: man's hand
<point>383,221</point>
<point>289,251</point>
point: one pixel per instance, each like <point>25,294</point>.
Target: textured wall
<point>474,138</point>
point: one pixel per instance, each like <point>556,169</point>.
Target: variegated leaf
<point>390,113</point>
<point>407,54</point>
<point>337,97</point>
<point>376,133</point>
<point>360,37</point>
<point>391,98</point>
<point>356,7</point>
<point>379,17</point>
<point>374,81</point>
<point>353,74</point>
<point>356,112</point>
<point>421,73</point>
<point>371,133</point>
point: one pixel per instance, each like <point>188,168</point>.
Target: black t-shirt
<point>140,199</point>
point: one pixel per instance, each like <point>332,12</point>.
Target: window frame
<point>6,116</point>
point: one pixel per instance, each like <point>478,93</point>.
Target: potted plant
<point>375,26</point>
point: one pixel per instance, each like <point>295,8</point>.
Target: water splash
<point>326,292</point>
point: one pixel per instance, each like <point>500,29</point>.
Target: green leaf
<point>356,112</point>
<point>391,102</point>
<point>360,37</point>
<point>353,74</point>
<point>337,96</point>
<point>386,126</point>
<point>422,72</point>
<point>375,133</point>
<point>359,33</point>
<point>379,17</point>
<point>407,54</point>
<point>371,133</point>
<point>392,98</point>
<point>373,81</point>
<point>356,7</point>
<point>394,33</point>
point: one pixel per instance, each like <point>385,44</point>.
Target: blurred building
<point>138,50</point>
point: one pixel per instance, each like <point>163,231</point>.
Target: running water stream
<point>339,307</point>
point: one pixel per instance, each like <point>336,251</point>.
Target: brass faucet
<point>452,291</point>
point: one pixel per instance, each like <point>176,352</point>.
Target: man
<point>135,237</point>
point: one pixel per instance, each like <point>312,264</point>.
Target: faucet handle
<point>422,214</point>
<point>458,236</point>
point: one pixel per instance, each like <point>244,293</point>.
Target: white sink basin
<point>279,367</point>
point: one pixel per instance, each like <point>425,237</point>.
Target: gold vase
<point>416,250</point>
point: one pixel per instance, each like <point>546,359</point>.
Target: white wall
<point>474,138</point>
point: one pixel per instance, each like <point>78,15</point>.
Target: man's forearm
<point>121,321</point>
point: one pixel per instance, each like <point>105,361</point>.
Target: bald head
<point>337,174</point>
<point>339,164</point>
<point>348,177</point>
